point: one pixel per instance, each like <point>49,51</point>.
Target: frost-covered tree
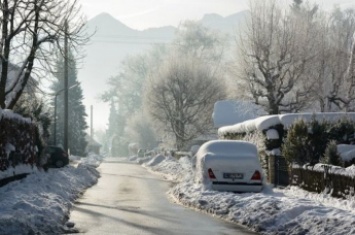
<point>195,43</point>
<point>274,54</point>
<point>181,97</point>
<point>118,144</point>
<point>126,94</point>
<point>195,40</point>
<point>333,66</point>
<point>140,130</point>
<point>344,28</point>
<point>127,87</point>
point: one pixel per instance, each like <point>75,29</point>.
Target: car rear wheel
<point>59,163</point>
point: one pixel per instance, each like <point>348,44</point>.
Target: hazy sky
<point>142,14</point>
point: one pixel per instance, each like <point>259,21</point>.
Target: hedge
<point>17,140</point>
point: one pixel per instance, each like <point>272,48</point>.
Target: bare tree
<point>181,97</point>
<point>342,68</point>
<point>30,29</point>
<point>333,67</point>
<point>274,55</point>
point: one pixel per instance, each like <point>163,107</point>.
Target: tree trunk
<point>6,52</point>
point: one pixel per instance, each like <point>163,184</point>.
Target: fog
<point>114,40</point>
<point>126,30</point>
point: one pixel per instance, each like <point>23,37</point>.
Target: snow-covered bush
<point>305,142</point>
<point>343,131</point>
<point>293,148</point>
<point>331,155</point>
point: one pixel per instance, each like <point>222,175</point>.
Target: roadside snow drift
<point>41,202</point>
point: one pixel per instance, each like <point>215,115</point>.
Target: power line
<point>128,42</point>
<point>131,39</point>
<point>134,36</point>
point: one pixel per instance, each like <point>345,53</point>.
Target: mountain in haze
<point>230,24</point>
<point>112,41</point>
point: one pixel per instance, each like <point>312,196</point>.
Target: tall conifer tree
<point>77,115</point>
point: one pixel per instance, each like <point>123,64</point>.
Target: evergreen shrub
<point>331,155</point>
<point>318,139</point>
<point>343,131</point>
<point>305,142</point>
<point>295,146</point>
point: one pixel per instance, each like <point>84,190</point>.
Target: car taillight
<point>65,154</point>
<point>256,176</point>
<point>210,174</point>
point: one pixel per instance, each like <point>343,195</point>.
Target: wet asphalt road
<point>129,200</point>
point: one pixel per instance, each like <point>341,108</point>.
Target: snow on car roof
<point>265,122</point>
<point>227,148</point>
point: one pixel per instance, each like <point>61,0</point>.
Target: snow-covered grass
<point>274,211</point>
<point>41,202</point>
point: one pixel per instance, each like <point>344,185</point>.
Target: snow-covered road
<point>129,200</point>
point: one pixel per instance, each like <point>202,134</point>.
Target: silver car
<point>229,165</point>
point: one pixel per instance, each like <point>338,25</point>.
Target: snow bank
<point>41,202</point>
<point>18,170</point>
<point>155,160</point>
<point>346,151</point>
<point>92,159</point>
<point>320,167</point>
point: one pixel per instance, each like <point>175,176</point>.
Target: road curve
<point>129,200</point>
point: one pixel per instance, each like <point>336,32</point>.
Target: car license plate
<point>233,175</point>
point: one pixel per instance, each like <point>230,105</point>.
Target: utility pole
<point>55,118</point>
<point>66,88</point>
<point>55,110</point>
<point>91,122</point>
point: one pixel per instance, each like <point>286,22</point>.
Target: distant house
<point>13,73</point>
<point>230,112</point>
<point>93,146</point>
